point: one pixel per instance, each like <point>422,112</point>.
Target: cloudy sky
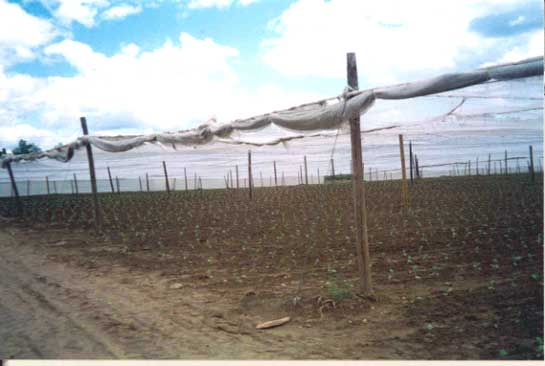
<point>135,66</point>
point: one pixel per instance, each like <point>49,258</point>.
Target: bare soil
<point>188,276</point>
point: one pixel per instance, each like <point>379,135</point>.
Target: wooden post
<point>18,202</point>
<point>275,177</point>
<point>117,185</point>
<point>488,168</point>
<point>505,165</point>
<point>250,172</point>
<point>147,182</point>
<point>319,176</point>
<point>185,178</point>
<point>404,187</point>
<point>111,181</point>
<point>140,183</point>
<point>417,169</point>
<point>411,161</point>
<point>47,185</point>
<point>283,179</point>
<point>469,167</point>
<point>532,172</point>
<point>236,173</point>
<point>306,171</point>
<point>477,166</point>
<point>360,209</point>
<point>231,178</point>
<point>332,168</point>
<point>76,184</point>
<point>166,177</point>
<point>92,175</point>
<point>200,183</point>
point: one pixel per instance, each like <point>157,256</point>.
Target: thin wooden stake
<point>18,202</point>
<point>166,177</point>
<point>76,184</point>
<point>250,172</point>
<point>147,182</point>
<point>47,185</point>
<point>117,185</point>
<point>98,219</point>
<point>236,173</point>
<point>360,209</point>
<point>411,161</point>
<point>489,161</point>
<point>185,178</point>
<point>275,177</point>
<point>111,180</point>
<point>306,171</point>
<point>404,187</point>
<point>532,172</point>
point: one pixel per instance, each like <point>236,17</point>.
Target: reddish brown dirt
<point>188,275</point>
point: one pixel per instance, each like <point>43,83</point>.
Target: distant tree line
<point>23,147</point>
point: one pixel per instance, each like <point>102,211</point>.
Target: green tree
<point>25,148</point>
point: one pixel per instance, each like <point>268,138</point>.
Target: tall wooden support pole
<point>411,161</point>
<point>18,202</point>
<point>360,209</point>
<point>332,167</point>
<point>236,173</point>
<point>110,178</point>
<point>250,172</point>
<point>275,177</point>
<point>166,177</point>
<point>117,185</point>
<point>404,187</point>
<point>76,184</point>
<point>47,185</point>
<point>147,182</point>
<point>306,171</point>
<point>89,149</point>
<point>532,172</point>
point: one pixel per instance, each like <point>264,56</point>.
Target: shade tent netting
<point>314,119</point>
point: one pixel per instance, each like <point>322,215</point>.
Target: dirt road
<point>54,310</point>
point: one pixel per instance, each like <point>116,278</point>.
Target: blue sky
<point>139,66</point>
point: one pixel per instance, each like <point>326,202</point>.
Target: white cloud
<point>176,86</point>
<point>121,11</point>
<point>533,47</point>
<point>196,4</point>
<point>81,11</point>
<point>21,33</point>
<point>394,40</point>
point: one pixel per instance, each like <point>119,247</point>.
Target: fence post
<point>404,187</point>
<point>469,167</point>
<point>506,165</point>
<point>360,209</point>
<point>185,178</point>
<point>319,176</point>
<point>306,171</point>
<point>489,161</point>
<point>231,178</point>
<point>532,172</point>
<point>47,185</point>
<point>18,202</point>
<point>250,172</point>
<point>76,184</point>
<point>417,168</point>
<point>477,166</point>
<point>236,173</point>
<point>117,185</point>
<point>275,177</point>
<point>166,177</point>
<point>110,178</point>
<point>147,182</point>
<point>333,168</point>
<point>140,183</point>
<point>92,175</point>
<point>411,161</point>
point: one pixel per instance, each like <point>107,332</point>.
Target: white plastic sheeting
<point>317,116</point>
